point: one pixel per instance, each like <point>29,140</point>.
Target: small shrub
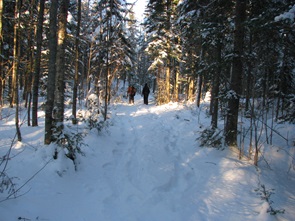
<point>265,195</point>
<point>6,183</point>
<point>211,138</point>
<point>71,142</point>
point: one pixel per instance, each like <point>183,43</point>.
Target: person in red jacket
<point>131,93</point>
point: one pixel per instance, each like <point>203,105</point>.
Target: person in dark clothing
<point>131,92</point>
<point>145,93</point>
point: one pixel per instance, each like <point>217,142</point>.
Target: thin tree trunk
<point>199,89</point>
<point>190,88</point>
<point>29,74</point>
<point>75,88</point>
<point>108,72</point>
<point>168,68</point>
<point>215,89</point>
<point>16,53</point>
<point>88,79</point>
<point>249,77</point>
<point>176,89</point>
<point>36,76</point>
<point>51,72</point>
<point>167,81</point>
<point>200,79</point>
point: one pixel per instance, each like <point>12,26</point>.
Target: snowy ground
<point>146,166</point>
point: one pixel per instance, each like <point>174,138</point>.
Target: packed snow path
<point>152,170</point>
<point>145,166</point>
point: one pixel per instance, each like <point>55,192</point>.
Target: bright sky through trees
<point>139,8</point>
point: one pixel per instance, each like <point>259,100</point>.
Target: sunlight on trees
<point>239,52</point>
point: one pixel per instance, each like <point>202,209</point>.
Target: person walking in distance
<point>131,92</point>
<point>145,93</point>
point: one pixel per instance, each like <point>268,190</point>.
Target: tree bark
<point>75,88</point>
<point>108,71</point>
<point>231,127</point>
<point>15,67</point>
<point>176,89</point>
<point>1,50</point>
<point>199,89</point>
<point>167,82</point>
<point>27,95</point>
<point>60,65</point>
<point>36,76</point>
<point>51,72</point>
<point>215,90</point>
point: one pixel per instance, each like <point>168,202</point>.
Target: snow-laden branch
<point>290,15</point>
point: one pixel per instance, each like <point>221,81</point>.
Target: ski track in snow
<point>146,166</point>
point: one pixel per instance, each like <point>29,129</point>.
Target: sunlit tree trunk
<point>168,62</point>
<point>176,89</point>
<point>167,82</point>
<point>15,67</point>
<point>51,72</point>
<point>60,65</point>
<point>36,76</point>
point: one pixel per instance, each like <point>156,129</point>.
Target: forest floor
<point>146,165</point>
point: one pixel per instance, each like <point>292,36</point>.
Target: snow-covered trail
<point>156,172</point>
<point>147,160</point>
<point>145,166</point>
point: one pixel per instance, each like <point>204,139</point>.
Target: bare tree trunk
<point>231,127</point>
<point>88,79</point>
<point>167,82</point>
<point>190,88</point>
<point>176,89</point>
<point>251,122</point>
<point>108,72</point>
<point>249,77</point>
<point>200,80</point>
<point>51,72</point>
<point>29,72</point>
<point>1,59</point>
<point>199,89</point>
<point>15,67</point>
<point>75,88</point>
<point>215,90</point>
<point>36,76</point>
<point>60,65</point>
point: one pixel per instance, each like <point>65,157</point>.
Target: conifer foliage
<point>163,47</point>
<point>240,52</point>
<point>237,51</point>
